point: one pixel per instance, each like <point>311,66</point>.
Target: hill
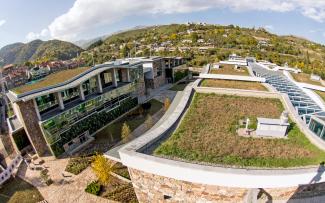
<point>209,43</point>
<point>53,49</point>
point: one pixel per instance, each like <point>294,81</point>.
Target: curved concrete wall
<point>210,175</point>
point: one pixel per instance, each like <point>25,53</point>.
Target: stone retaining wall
<point>154,188</point>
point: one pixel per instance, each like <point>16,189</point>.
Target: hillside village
<point>128,118</point>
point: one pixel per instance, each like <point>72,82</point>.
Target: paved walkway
<point>64,189</point>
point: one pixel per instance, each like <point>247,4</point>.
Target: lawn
<point>17,190</point>
<point>305,78</point>
<point>179,86</point>
<point>233,84</point>
<point>133,119</point>
<point>121,170</point>
<point>207,134</point>
<point>52,79</point>
<point>230,70</point>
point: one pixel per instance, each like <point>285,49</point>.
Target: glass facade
<point>59,123</point>
<point>70,94</point>
<point>90,115</point>
<point>90,86</point>
<point>317,127</point>
<point>46,102</point>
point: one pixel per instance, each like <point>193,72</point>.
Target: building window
<point>316,127</point>
<point>46,102</point>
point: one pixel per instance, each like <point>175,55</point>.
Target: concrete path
<point>63,189</point>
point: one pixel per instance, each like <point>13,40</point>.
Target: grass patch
<point>207,134</point>
<point>233,84</point>
<point>305,78</point>
<point>180,86</point>
<point>52,79</point>
<point>17,190</point>
<point>230,70</point>
<point>116,190</point>
<point>121,170</point>
<point>78,164</point>
<point>133,119</point>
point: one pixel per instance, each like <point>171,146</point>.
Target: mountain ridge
<point>18,53</point>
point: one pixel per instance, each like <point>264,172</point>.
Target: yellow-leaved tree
<point>166,103</point>
<point>102,168</point>
<point>149,122</point>
<point>126,131</point>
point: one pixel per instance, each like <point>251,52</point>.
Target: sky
<point>72,20</point>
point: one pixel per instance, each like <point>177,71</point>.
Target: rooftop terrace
<point>53,79</point>
<point>207,134</point>
<point>230,70</point>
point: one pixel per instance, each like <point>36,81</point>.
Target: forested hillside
<point>52,50</point>
<point>209,43</point>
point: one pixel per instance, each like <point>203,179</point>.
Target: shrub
<point>93,188</point>
<point>77,165</point>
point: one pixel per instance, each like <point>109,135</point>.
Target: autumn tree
<point>126,131</point>
<point>149,122</point>
<point>166,104</point>
<point>102,168</point>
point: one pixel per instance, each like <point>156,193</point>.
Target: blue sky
<point>22,21</point>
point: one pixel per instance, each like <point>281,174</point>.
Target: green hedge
<point>178,75</point>
<point>21,139</point>
<point>93,123</point>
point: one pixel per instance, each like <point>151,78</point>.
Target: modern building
<point>38,72</point>
<point>61,112</point>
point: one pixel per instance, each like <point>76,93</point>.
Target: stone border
<point>132,157</point>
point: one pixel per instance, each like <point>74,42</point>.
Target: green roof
<point>50,80</point>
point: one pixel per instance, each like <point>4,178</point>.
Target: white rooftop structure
<point>315,77</point>
<point>273,127</point>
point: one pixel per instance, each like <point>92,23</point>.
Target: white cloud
<point>85,14</point>
<point>269,27</point>
<point>44,34</point>
<point>2,22</point>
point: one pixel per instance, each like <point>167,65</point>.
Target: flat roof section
<point>14,124</point>
<point>50,80</point>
